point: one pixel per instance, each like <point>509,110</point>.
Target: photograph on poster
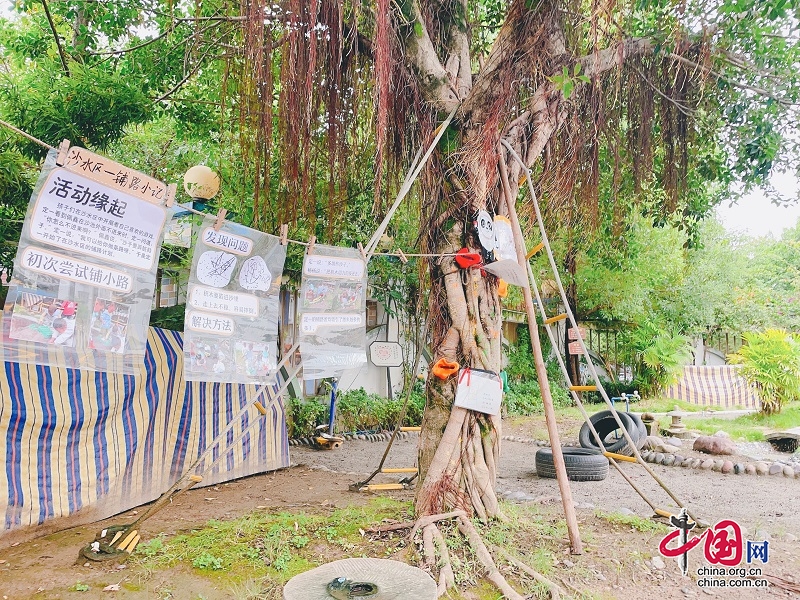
<point>109,326</point>
<point>349,295</point>
<point>210,355</point>
<point>318,294</point>
<point>254,359</point>
<point>43,319</point>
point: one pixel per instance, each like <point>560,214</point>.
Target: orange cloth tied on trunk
<point>502,288</point>
<point>467,259</point>
<point>443,368</point>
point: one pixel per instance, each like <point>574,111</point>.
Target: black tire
<point>640,428</point>
<point>582,464</point>
<point>605,424</point>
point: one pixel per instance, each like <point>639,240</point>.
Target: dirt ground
<point>619,560</point>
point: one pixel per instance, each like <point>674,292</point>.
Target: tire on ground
<point>582,464</point>
<point>605,424</point>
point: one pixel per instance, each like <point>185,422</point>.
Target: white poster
<point>332,312</point>
<point>231,327</point>
<point>85,272</point>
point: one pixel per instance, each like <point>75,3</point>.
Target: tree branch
<point>167,31</point>
<point>433,77</point>
<point>733,82</point>
<point>61,54</point>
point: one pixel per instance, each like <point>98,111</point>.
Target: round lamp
<point>201,183</point>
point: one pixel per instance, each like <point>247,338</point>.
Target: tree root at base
<point>434,541</point>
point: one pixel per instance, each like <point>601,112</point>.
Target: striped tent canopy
<point>720,386</point>
<point>80,446</point>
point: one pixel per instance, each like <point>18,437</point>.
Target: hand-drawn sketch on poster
<point>85,272</point>
<point>332,312</point>
<point>231,331</point>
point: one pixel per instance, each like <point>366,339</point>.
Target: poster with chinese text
<point>231,327</point>
<point>85,271</point>
<point>332,312</point>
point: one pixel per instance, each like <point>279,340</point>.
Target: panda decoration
<point>484,225</point>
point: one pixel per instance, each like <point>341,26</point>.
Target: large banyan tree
<point>654,106</point>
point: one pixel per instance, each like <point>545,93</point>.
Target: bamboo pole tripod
<point>548,322</point>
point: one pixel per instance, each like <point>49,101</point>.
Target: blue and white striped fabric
<point>80,446</point>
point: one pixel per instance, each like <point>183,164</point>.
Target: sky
<point>756,216</point>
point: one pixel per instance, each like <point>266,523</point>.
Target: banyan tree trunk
<point>459,449</point>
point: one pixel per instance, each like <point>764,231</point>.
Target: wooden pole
<point>541,373</point>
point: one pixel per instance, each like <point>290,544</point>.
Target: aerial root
<point>433,541</point>
<point>554,589</point>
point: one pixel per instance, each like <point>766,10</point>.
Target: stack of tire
<point>609,432</point>
<point>587,463</point>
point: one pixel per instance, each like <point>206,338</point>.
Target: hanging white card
<point>504,239</point>
<point>509,270</point>
<point>478,390</point>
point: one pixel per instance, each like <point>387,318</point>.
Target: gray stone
<point>658,562</point>
<point>696,462</point>
<point>788,471</point>
<point>651,442</point>
<point>776,469</point>
<point>674,441</point>
<point>625,511</point>
<point>678,459</point>
<point>750,469</point>
<point>518,496</point>
<point>717,465</point>
<point>659,458</point>
<point>707,464</point>
<point>669,460</point>
<point>646,456</point>
<point>738,468</point>
<point>761,468</point>
<point>667,448</point>
<point>722,434</point>
<point>714,445</point>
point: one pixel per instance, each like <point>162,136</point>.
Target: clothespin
<point>403,257</point>
<point>171,189</point>
<point>220,218</point>
<point>311,241</point>
<point>63,148</point>
<point>361,249</point>
<point>284,234</point>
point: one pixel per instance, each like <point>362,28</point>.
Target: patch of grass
<point>274,547</point>
<point>750,427</point>
<point>663,405</point>
<point>633,521</point>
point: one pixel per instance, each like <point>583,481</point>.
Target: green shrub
<point>658,354</point>
<point>771,362</point>
<point>356,410</point>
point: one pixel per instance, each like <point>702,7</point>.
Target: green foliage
<point>91,108</point>
<point>170,317</point>
<point>658,354</point>
<point>356,410</point>
<point>771,362</point>
<point>207,561</point>
<point>525,396</point>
